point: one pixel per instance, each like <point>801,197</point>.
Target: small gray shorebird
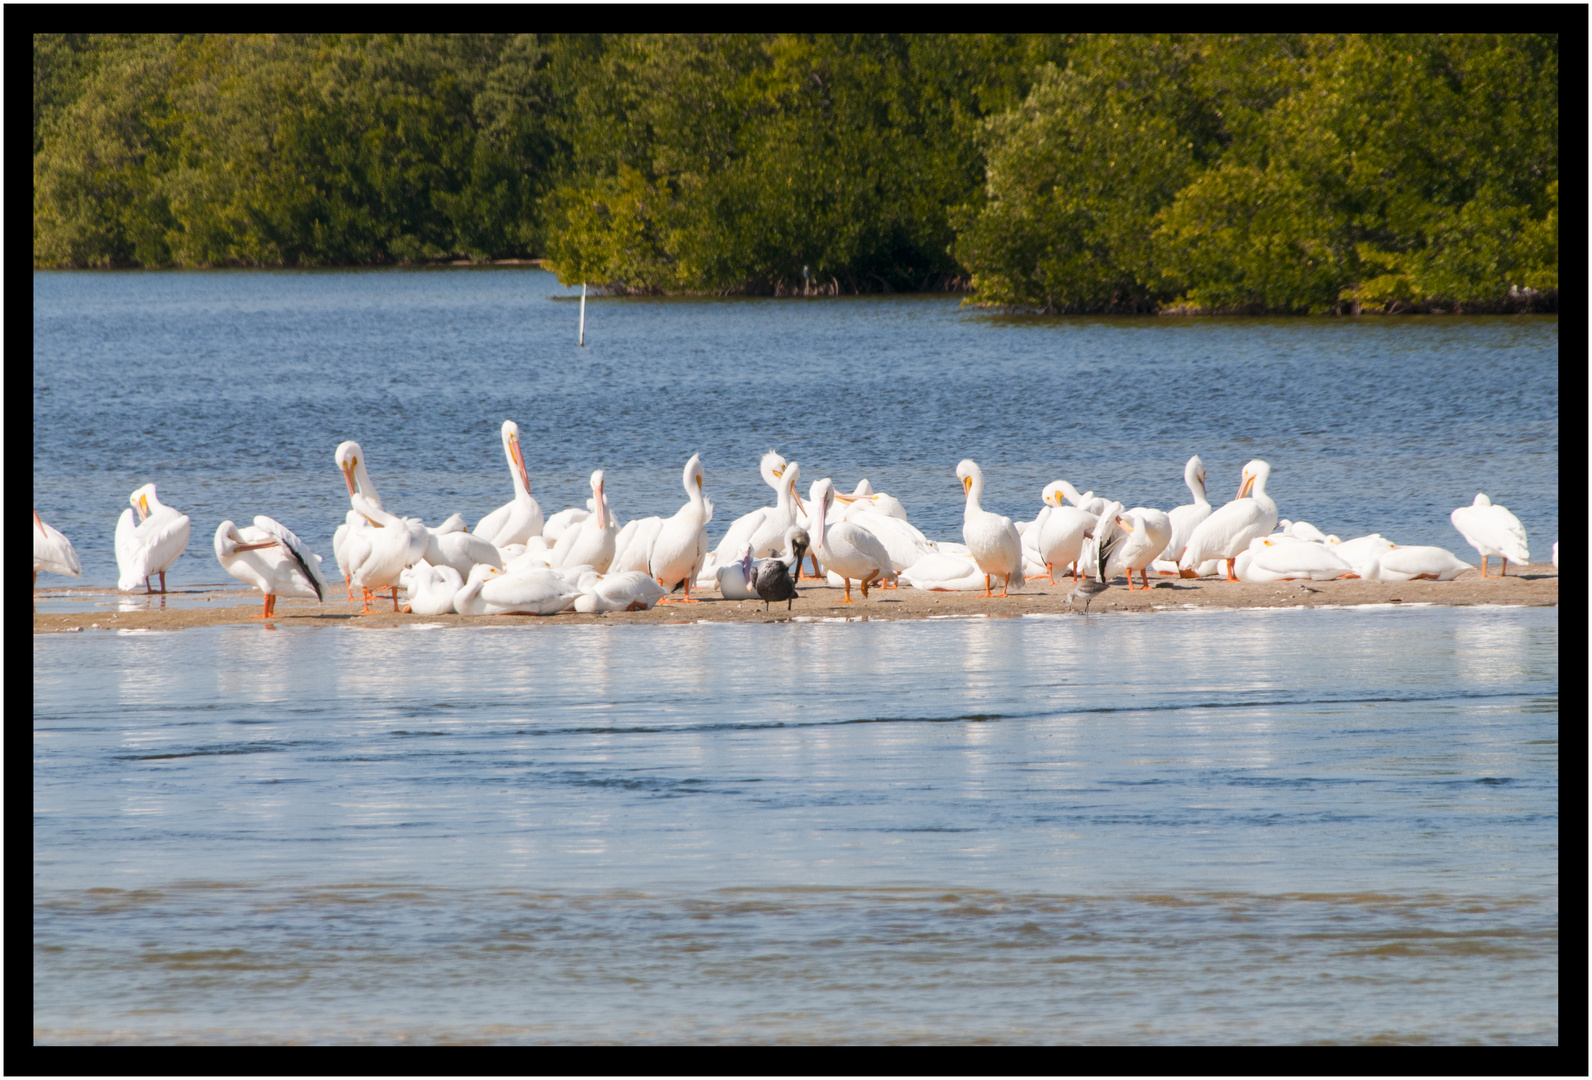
<point>1090,587</point>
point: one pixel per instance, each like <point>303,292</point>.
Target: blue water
<point>1180,827</point>
<point>232,390</point>
<point>1267,826</point>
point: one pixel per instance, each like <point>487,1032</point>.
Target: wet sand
<point>1530,586</point>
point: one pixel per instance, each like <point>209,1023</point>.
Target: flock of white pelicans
<point>582,559</point>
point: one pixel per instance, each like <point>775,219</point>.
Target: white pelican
<point>874,502</point>
<point>846,549</point>
<point>772,466</point>
<point>632,590</point>
<point>593,540</point>
<point>1271,559</point>
<point>1492,530</point>
<point>1088,502</point>
<point>901,539</point>
<point>945,572</point>
<point>388,553</point>
<point>1148,533</point>
<point>682,543</point>
<point>633,545</point>
<point>431,588</point>
<point>150,547</point>
<point>1409,563</point>
<point>556,526</point>
<point>449,545</point>
<point>1229,530</point>
<point>268,556</point>
<point>734,579</point>
<point>52,552</point>
<point>1186,518</point>
<point>492,592</point>
<point>349,544</point>
<point>991,538</point>
<point>521,518</point>
<point>1061,533</point>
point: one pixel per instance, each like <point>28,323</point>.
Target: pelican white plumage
<point>351,542</point>
<point>633,590</point>
<point>772,467</point>
<point>633,545</point>
<point>901,539</point>
<point>1417,561</point>
<point>1088,502</point>
<point>151,546</point>
<point>734,579</point>
<point>846,549</point>
<point>1148,533</point>
<point>1062,532</point>
<point>52,552</point>
<point>450,545</point>
<point>991,538</point>
<point>1492,530</point>
<point>554,528</point>
<point>1229,530</point>
<point>1185,519</point>
<point>945,572</point>
<point>1276,559</point>
<point>492,592</point>
<point>593,540</point>
<point>431,588</point>
<point>391,541</point>
<point>682,543</point>
<point>270,557</point>
<point>521,517</point>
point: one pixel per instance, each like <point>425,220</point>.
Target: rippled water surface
<point>1262,826</point>
<point>1281,826</point>
<point>232,390</point>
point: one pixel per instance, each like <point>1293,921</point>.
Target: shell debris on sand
<point>1537,585</point>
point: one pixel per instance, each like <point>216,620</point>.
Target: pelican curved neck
<point>1192,476</point>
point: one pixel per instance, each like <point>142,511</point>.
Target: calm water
<point>232,390</point>
<point>1272,826</point>
<point>1304,825</point>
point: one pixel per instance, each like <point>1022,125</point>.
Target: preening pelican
<point>991,538</point>
<point>391,540</point>
<point>348,541</point>
<point>1229,530</point>
<point>593,540</point>
<point>846,550</point>
<point>1061,533</point>
<point>1492,530</point>
<point>268,556</point>
<point>431,588</point>
<point>151,546</point>
<point>1088,502</point>
<point>901,539</point>
<point>1185,519</point>
<point>773,469</point>
<point>1148,533</point>
<point>449,545</point>
<point>682,543</point>
<point>734,579</point>
<point>52,552</point>
<point>521,518</point>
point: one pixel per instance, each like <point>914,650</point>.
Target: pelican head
<point>516,456</point>
<point>1481,500</point>
<point>141,499</point>
<point>692,477</point>
<point>1054,493</point>
<point>970,474</point>
<point>773,467</point>
<point>349,458</point>
<point>1255,473</point>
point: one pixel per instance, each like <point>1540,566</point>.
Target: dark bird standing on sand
<point>1090,587</point>
<point>773,579</point>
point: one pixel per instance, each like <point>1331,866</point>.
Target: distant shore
<point>1536,585</point>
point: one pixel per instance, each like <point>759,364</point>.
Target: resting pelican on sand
<point>1229,530</point>
<point>1285,559</point>
<point>521,518</point>
<point>632,590</point>
<point>1416,562</point>
<point>431,588</point>
<point>682,543</point>
<point>268,556</point>
<point>991,538</point>
<point>492,592</point>
<point>1492,530</point>
<point>151,546</point>
<point>846,549</point>
<point>52,552</point>
<point>1185,519</point>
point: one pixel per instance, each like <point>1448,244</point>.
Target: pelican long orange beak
<point>519,461</point>
<point>1243,492</point>
<point>348,475</point>
<point>143,508</point>
<point>967,484</point>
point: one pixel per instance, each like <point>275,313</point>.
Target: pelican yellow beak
<point>1243,492</point>
<point>779,472</point>
<point>967,484</point>
<point>143,504</point>
<point>348,474</point>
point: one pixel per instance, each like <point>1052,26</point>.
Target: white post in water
<point>583,314</point>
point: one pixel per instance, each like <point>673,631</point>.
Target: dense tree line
<point>1058,173</point>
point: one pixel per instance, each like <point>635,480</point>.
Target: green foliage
<point>1134,172</point>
